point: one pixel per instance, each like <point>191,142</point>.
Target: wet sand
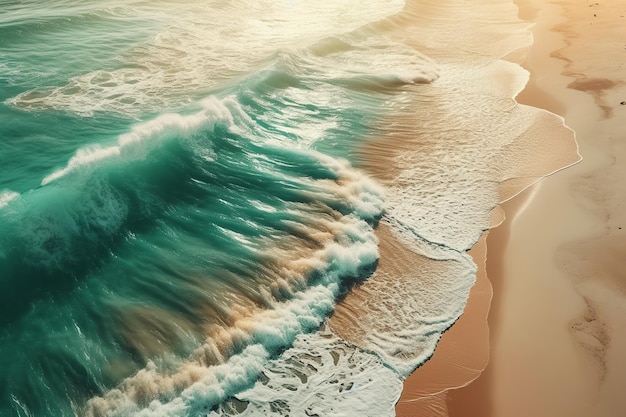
<point>554,332</point>
<point>463,351</point>
<point>556,265</point>
<point>461,355</point>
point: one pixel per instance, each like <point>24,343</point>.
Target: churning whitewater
<point>183,201</point>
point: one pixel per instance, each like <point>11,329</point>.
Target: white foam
<point>201,45</point>
<point>336,372</point>
<point>447,197</point>
<point>84,157</point>
<point>347,245</point>
<point>320,375</point>
<point>378,60</point>
<point>6,196</point>
<point>364,196</point>
<point>408,313</point>
<point>135,144</point>
<point>264,333</point>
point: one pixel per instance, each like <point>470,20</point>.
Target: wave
<point>228,217</point>
<point>360,61</point>
<point>194,50</point>
<point>319,374</point>
<point>182,207</point>
<point>135,145</point>
<point>195,388</point>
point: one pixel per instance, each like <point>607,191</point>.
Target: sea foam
<point>202,47</point>
<point>6,196</point>
<point>319,375</point>
<point>135,144</point>
<point>346,252</point>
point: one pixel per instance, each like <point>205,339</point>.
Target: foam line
<point>135,144</point>
<point>345,253</point>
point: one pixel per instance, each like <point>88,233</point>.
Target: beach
<point>555,328</point>
<point>302,208</point>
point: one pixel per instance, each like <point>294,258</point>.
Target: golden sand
<point>557,264</point>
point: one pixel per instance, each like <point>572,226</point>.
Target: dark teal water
<point>163,179</point>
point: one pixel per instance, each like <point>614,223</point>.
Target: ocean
<point>189,189</point>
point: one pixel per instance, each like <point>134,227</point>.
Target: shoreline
<point>460,356</point>
<point>474,396</point>
<point>557,359</point>
<point>462,352</point>
<point>548,333</point>
<point>471,397</point>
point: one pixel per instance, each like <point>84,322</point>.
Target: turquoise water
<point>159,185</point>
<point>182,202</point>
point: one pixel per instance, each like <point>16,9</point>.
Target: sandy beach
<point>311,208</point>
<point>556,320</point>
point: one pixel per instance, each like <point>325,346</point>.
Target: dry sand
<point>557,265</point>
